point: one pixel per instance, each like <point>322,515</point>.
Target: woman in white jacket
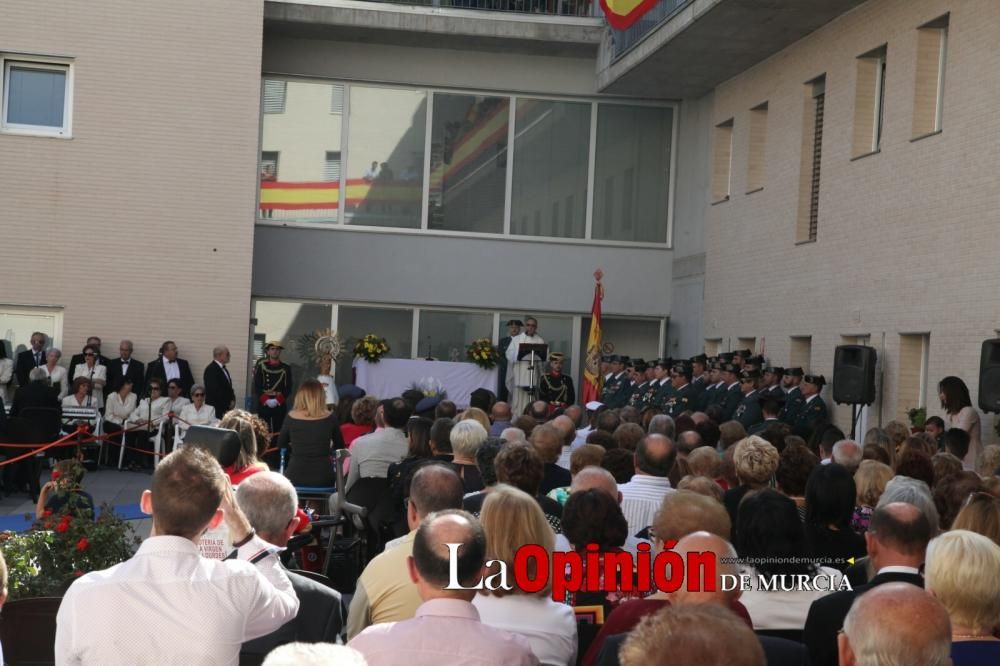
<point>58,376</point>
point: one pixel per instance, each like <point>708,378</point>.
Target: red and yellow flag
<point>593,380</point>
<point>623,13</point>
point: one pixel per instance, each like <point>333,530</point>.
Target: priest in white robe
<point>518,373</point>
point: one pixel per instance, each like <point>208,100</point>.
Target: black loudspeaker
<point>223,444</point>
<point>854,375</point>
<point>989,376</point>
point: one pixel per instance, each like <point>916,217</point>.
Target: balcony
<point>685,48</point>
<point>539,7</point>
<point>564,28</point>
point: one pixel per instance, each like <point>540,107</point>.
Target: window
<point>637,338</point>
<point>869,102</point>
<point>17,323</point>
<point>274,96</point>
<point>712,346</point>
<point>812,157</point>
<point>412,158</point>
<point>337,98</point>
<point>911,376</point>
<point>298,126</point>
<point>928,95</point>
<point>632,173</point>
<point>722,160</point>
<point>331,172</point>
<point>355,322</point>
<point>444,335</point>
<point>288,322</point>
<point>37,97</point>
<point>758,148</point>
<point>551,152</point>
<point>747,343</point>
<point>468,178</point>
<point>385,162</point>
<point>800,354</point>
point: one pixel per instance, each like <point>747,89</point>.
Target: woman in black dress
<point>311,433</point>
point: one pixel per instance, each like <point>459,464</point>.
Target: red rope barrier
<point>44,447</point>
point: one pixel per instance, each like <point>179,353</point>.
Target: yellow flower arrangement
<point>483,353</point>
<point>371,348</point>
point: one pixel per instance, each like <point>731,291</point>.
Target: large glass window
<point>632,173</point>
<point>635,338</point>
<point>353,323</point>
<point>468,175</point>
<point>444,335</point>
<point>291,324</point>
<point>300,132</point>
<point>551,153</point>
<point>385,159</point>
<point>556,331</point>
<point>407,148</point>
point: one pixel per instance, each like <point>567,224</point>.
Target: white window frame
<point>505,234</point>
<point>7,61</point>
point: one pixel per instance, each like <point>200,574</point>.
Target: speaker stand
<point>855,417</point>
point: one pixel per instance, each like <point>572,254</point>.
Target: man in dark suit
<point>770,407</point>
<point>731,395</point>
<point>791,381</point>
<point>897,539</point>
<point>125,366</point>
<point>269,502</point>
<point>168,366</point>
<point>682,398</point>
<point>30,358</point>
<point>513,330</point>
<point>29,425</point>
<point>92,341</point>
<point>748,412</point>
<point>219,383</point>
<point>618,388</point>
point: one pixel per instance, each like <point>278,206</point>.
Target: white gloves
<point>272,403</point>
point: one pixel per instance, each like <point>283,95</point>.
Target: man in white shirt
<point>518,373</point>
<point>642,496</point>
<point>167,604</point>
<point>372,454</point>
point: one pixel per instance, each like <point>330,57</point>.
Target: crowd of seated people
<point>846,552</point>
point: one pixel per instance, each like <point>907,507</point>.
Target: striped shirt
<point>641,499</point>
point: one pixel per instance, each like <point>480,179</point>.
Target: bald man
<point>446,623</point>
<point>628,615</point>
<point>896,623</point>
<point>642,496</point>
<point>500,418</point>
<point>896,539</point>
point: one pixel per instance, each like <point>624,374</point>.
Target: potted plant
<point>61,547</point>
<point>918,417</point>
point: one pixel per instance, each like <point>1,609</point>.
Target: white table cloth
<point>391,376</point>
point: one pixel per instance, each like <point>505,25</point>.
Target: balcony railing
<point>545,7</point>
<point>624,40</point>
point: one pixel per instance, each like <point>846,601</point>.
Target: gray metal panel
<point>492,274</point>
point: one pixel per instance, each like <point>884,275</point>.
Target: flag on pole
<point>593,380</point>
<point>623,13</point>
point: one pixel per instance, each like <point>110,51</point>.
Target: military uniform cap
<point>794,372</point>
<point>729,367</point>
<point>818,380</point>
<point>273,343</point>
<point>775,370</point>
<point>350,391</point>
<point>557,356</point>
<point>699,358</point>
<point>749,374</point>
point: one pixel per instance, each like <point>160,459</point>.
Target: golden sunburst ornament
<point>315,345</point>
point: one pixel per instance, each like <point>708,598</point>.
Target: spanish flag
<point>623,13</point>
<point>593,380</point>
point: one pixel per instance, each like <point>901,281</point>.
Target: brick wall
<point>907,237</point>
<point>141,225</point>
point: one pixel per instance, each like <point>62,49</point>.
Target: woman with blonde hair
<point>870,481</point>
<point>963,573</point>
<point>980,514</point>
<point>311,433</point>
<point>756,461</point>
<point>513,519</point>
<point>880,439</point>
<point>477,415</point>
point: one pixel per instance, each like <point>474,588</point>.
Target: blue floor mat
<point>19,523</point>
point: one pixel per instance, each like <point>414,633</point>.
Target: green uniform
<point>680,401</point>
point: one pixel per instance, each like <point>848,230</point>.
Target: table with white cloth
<point>391,376</point>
